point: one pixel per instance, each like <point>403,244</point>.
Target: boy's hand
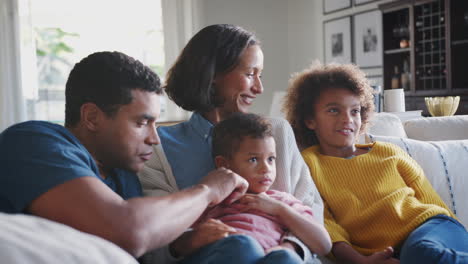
<point>262,202</point>
<point>285,245</point>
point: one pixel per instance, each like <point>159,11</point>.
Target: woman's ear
<point>310,124</point>
<point>221,161</point>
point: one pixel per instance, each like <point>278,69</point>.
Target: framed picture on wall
<point>337,39</point>
<point>335,5</point>
<point>367,29</point>
<point>376,81</point>
<point>362,2</point>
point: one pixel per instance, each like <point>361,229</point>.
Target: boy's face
<point>254,161</point>
<point>337,121</point>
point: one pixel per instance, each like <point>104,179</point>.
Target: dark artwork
<point>369,40</point>
<point>337,44</point>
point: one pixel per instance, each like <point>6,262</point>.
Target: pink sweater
<point>265,228</point>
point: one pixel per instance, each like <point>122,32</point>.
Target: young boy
<point>376,197</point>
<point>244,144</point>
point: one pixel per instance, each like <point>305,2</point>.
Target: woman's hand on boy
<point>262,202</point>
<point>203,234</point>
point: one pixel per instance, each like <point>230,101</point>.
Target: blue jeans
<point>441,239</point>
<point>237,249</point>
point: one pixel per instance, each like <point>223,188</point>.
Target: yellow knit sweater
<point>373,200</point>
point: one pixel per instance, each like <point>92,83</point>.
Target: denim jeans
<point>441,239</point>
<point>237,249</point>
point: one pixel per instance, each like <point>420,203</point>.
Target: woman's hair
<point>229,133</point>
<point>214,50</point>
<point>107,80</point>
<point>305,88</point>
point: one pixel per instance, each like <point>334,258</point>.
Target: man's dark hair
<point>106,79</point>
<point>215,49</point>
<point>228,134</point>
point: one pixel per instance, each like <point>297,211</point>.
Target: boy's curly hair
<point>305,88</point>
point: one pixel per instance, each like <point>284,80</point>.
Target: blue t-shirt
<point>190,139</point>
<point>36,156</point>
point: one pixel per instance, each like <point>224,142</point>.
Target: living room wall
<point>290,31</point>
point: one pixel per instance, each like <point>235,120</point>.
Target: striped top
<point>373,200</point>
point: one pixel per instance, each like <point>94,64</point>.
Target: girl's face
<point>239,87</point>
<point>337,121</point>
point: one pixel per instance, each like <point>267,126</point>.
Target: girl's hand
<point>384,257</point>
<point>262,202</point>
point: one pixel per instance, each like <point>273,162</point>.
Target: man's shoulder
<point>33,127</point>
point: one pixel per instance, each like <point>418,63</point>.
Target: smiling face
<point>126,139</point>
<point>238,88</point>
<point>254,161</point>
<point>337,121</point>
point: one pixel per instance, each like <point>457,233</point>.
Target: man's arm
<point>139,224</point>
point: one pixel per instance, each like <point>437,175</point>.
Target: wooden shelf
<point>459,42</point>
<point>395,51</point>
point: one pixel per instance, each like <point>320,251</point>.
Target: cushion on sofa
<point>445,165</point>
<point>437,128</point>
<point>31,239</point>
<point>386,124</point>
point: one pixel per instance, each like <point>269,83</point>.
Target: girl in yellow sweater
<point>379,206</point>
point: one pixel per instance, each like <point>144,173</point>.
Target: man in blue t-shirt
<point>83,174</point>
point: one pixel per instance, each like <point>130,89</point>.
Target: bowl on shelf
<point>442,106</point>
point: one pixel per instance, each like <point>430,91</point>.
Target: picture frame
<point>368,38</point>
<point>362,2</point>
<point>330,6</point>
<point>337,40</point>
<point>376,81</point>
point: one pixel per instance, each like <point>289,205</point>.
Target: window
<point>67,31</point>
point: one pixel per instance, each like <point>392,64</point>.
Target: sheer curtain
<point>18,72</point>
<point>12,103</point>
<point>181,19</point>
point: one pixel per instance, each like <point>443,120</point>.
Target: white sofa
<point>29,239</point>
<point>439,145</point>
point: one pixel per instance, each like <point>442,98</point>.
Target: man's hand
<point>224,183</point>
<point>203,234</point>
<point>262,202</point>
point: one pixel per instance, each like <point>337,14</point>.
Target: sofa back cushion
<point>386,124</point>
<point>438,128</point>
<point>445,165</point>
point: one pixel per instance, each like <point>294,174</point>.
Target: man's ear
<point>221,161</point>
<point>91,116</point>
<point>310,123</point>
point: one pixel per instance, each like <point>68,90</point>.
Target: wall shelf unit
<point>427,40</point>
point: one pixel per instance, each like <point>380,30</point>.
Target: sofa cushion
<point>31,239</point>
<point>445,165</point>
<point>438,128</point>
<point>386,124</point>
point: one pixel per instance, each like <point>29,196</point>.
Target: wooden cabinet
<point>425,45</point>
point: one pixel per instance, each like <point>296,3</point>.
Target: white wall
<point>291,33</point>
<point>268,19</point>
